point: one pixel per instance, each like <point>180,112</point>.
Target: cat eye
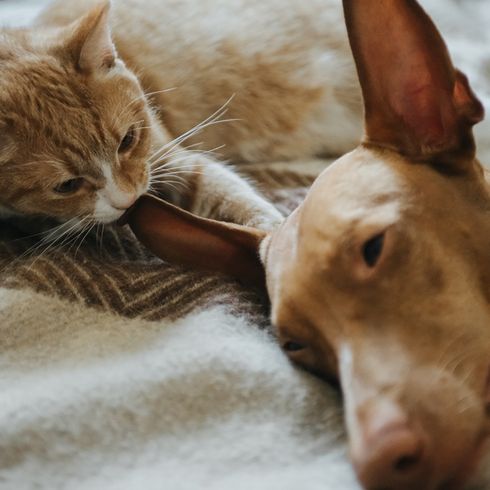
<point>372,249</point>
<point>128,141</point>
<point>69,186</point>
<point>293,346</point>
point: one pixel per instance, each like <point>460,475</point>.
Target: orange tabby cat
<point>80,131</point>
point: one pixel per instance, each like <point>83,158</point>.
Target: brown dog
<point>381,278</point>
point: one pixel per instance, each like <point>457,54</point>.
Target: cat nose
<point>124,203</point>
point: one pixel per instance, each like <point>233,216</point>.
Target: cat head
<point>75,128</point>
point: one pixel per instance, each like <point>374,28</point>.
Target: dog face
<point>381,278</point>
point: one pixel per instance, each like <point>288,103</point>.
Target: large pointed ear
<point>415,101</point>
<point>183,238</point>
<point>88,43</point>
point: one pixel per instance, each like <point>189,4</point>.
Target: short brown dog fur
<point>381,278</point>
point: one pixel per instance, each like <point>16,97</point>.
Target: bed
<point>118,371</point>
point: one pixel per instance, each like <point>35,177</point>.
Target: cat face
<point>75,128</point>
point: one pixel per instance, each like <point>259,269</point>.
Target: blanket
<point>119,371</point>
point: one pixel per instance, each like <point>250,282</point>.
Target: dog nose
<point>395,458</point>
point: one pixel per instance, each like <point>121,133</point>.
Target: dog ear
<point>415,101</point>
<point>180,237</point>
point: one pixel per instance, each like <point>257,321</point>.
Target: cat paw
<point>265,219</point>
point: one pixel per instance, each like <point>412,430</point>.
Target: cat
<point>98,102</point>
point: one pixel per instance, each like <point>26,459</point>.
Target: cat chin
<point>106,217</point>
<point>109,220</point>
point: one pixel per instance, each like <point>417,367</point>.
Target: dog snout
<point>393,455</point>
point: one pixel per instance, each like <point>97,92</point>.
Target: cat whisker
<point>210,120</point>
<point>192,133</point>
<point>34,235</point>
<point>25,253</point>
<point>59,233</point>
<point>126,109</point>
<point>156,193</point>
<point>175,180</point>
<point>99,236</point>
<point>163,183</point>
<point>175,161</point>
<point>189,161</point>
<point>177,150</point>
<point>164,171</point>
<point>57,237</point>
<point>170,172</point>
<point>212,151</point>
<point>67,236</point>
<point>83,236</point>
<point>170,183</point>
<point>183,175</point>
<point>180,172</point>
<point>51,234</point>
<point>174,187</point>
<point>170,89</point>
<point>72,239</point>
<point>87,228</point>
<point>189,153</point>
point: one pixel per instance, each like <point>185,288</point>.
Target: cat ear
<point>180,237</point>
<point>415,101</point>
<point>90,44</point>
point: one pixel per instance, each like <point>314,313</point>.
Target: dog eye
<point>293,346</point>
<point>69,186</point>
<point>128,141</point>
<point>372,249</point>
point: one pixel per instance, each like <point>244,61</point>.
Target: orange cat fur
<point>80,131</point>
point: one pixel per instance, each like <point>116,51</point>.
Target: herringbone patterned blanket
<point>110,270</point>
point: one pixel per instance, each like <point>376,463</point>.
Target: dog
<point>381,277</point>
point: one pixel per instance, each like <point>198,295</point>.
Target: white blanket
<point>93,400</point>
<point>90,400</point>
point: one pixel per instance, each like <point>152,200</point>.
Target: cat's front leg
<point>212,190</point>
